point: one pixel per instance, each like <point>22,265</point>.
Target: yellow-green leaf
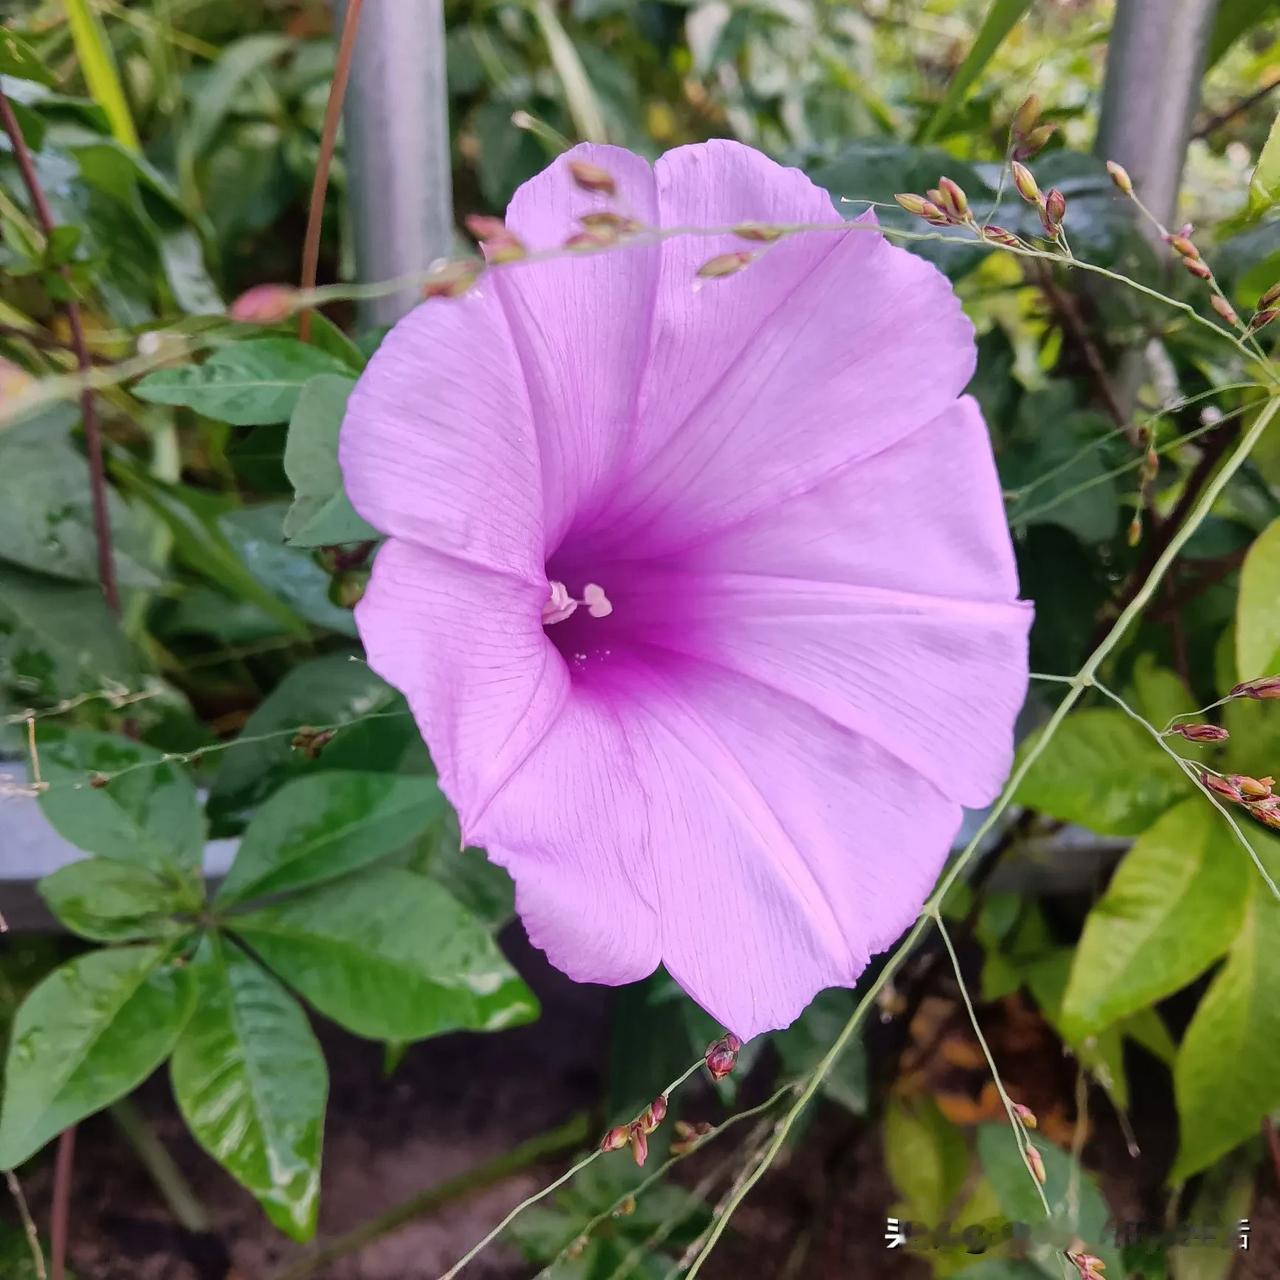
<point>98,63</point>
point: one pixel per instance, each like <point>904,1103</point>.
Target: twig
<point>28,1224</point>
<point>61,1211</point>
<point>1216,122</point>
<point>154,1156</point>
<point>89,413</point>
<point>328,140</point>
<point>565,1138</point>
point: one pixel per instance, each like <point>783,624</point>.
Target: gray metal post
<point>1155,62</point>
<point>396,131</point>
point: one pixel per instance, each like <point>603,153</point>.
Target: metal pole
<point>1155,62</point>
<point>396,127</point>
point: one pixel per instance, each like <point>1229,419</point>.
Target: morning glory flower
<point>699,589</point>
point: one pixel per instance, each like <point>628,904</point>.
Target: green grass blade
<point>98,63</point>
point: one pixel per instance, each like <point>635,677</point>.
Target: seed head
<point>1270,298</point>
<point>639,1142</point>
<point>452,279</point>
<point>1027,116</point>
<point>725,264</point>
<point>1053,211</point>
<point>1036,1164</point>
<point>1024,180</point>
<point>501,244</point>
<point>1267,812</point>
<point>1220,786</point>
<point>1134,534</point>
<point>615,1139</point>
<point>1224,309</point>
<point>722,1055</point>
<point>654,1113</point>
<point>954,201</point>
<point>758,231</point>
<point>1026,1115</point>
<point>1197,268</point>
<point>998,235</point>
<point>1201,732</point>
<point>1036,141</point>
<point>1252,788</point>
<point>590,240</point>
<point>591,177</point>
<point>922,208</point>
<point>1120,176</point>
<point>264,304</point>
<point>1181,244</point>
<point>1262,687</point>
<point>1263,318</point>
<point>607,220</point>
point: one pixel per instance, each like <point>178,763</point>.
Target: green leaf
<point>1264,186</point>
<point>809,1037</point>
<point>1001,18</point>
<point>926,1158</point>
<point>291,574</point>
<point>389,955</point>
<point>1227,1073</point>
<point>1158,693</point>
<point>1234,19</point>
<point>374,733</point>
<point>94,1029</point>
<point>251,1082</point>
<point>1104,771</point>
<point>149,815</point>
<point>18,58</point>
<point>1171,910</point>
<point>110,901</point>
<point>1257,611</point>
<point>46,508</point>
<point>321,827</point>
<point>244,383</point>
<point>321,514</point>
<point>98,63</point>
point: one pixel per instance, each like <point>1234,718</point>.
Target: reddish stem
<point>61,1204</point>
<point>88,411</point>
<point>328,140</point>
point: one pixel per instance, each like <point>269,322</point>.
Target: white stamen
<point>597,602</point>
<point>561,605</point>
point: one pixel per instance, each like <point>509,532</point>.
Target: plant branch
<point>92,432</point>
<point>28,1224</point>
<point>1216,122</point>
<point>60,1214</point>
<point>328,140</point>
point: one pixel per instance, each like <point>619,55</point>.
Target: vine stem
<point>328,141</point>
<point>28,1224</point>
<point>1083,679</point>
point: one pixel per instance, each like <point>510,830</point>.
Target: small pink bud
<point>689,1135</point>
<point>452,279</point>
<point>1252,788</point>
<point>1024,180</point>
<point>607,220</point>
<point>1026,1115</point>
<point>654,1113</point>
<point>310,742</point>
<point>725,264</point>
<point>1262,687</point>
<point>1180,244</point>
<point>1200,732</point>
<point>923,208</point>
<point>1222,787</point>
<point>722,1055</point>
<point>1026,116</point>
<point>954,200</point>
<point>639,1142</point>
<point>1053,211</point>
<point>591,177</point>
<point>264,304</point>
<point>590,240</point>
<point>501,244</point>
<point>1270,298</point>
<point>758,231</point>
<point>998,235</point>
<point>1197,268</point>
<point>1035,1162</point>
<point>1120,176</point>
<point>484,227</point>
<point>1134,534</point>
<point>615,1139</point>
<point>1267,812</point>
<point>1224,309</point>
<point>1035,141</point>
<point>1263,318</point>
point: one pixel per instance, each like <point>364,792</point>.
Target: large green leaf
<point>321,515</point>
<point>1002,17</point>
<point>390,955</point>
<point>1258,609</point>
<point>375,733</point>
<point>1234,19</point>
<point>1171,910</point>
<point>320,827</point>
<point>1227,1073</point>
<point>89,1033</point>
<point>115,901</point>
<point>926,1158</point>
<point>244,383</point>
<point>149,815</point>
<point>1264,186</point>
<point>1104,771</point>
<point>251,1082</point>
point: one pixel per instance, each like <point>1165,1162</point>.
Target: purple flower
<point>702,596</point>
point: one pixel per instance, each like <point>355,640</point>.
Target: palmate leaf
<point>389,955</point>
<point>89,1033</point>
<point>108,901</point>
<point>251,1082</point>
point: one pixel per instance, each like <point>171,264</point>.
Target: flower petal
<point>437,445</point>
<point>581,326</point>
<point>829,348</point>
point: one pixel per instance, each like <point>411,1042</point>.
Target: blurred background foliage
<point>176,141</point>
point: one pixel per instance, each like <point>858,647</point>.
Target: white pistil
<point>561,605</point>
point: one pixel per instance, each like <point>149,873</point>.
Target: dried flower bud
<point>1035,1162</point>
<point>1024,180</point>
<point>758,231</point>
<point>1263,318</point>
<point>1197,268</point>
<point>1224,309</point>
<point>1221,787</point>
<point>1053,211</point>
<point>1267,812</point>
<point>264,304</point>
<point>1026,1115</point>
<point>578,1247</point>
<point>1252,788</point>
<point>722,1055</point>
<point>1200,732</point>
<point>923,208</point>
<point>1180,244</point>
<point>1134,534</point>
<point>1150,465</point>
<point>591,177</point>
<point>1088,1265</point>
<point>607,220</point>
<point>311,741</point>
<point>591,240</point>
<point>626,1207</point>
<point>1036,141</point>
<point>639,1142</point>
<point>98,780</point>
<point>1027,116</point>
<point>999,235</point>
<point>654,1113</point>
<point>1120,176</point>
<point>1270,298</point>
<point>501,244</point>
<point>725,264</point>
<point>954,200</point>
<point>452,279</point>
<point>1262,687</point>
<point>615,1139</point>
<point>688,1136</point>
